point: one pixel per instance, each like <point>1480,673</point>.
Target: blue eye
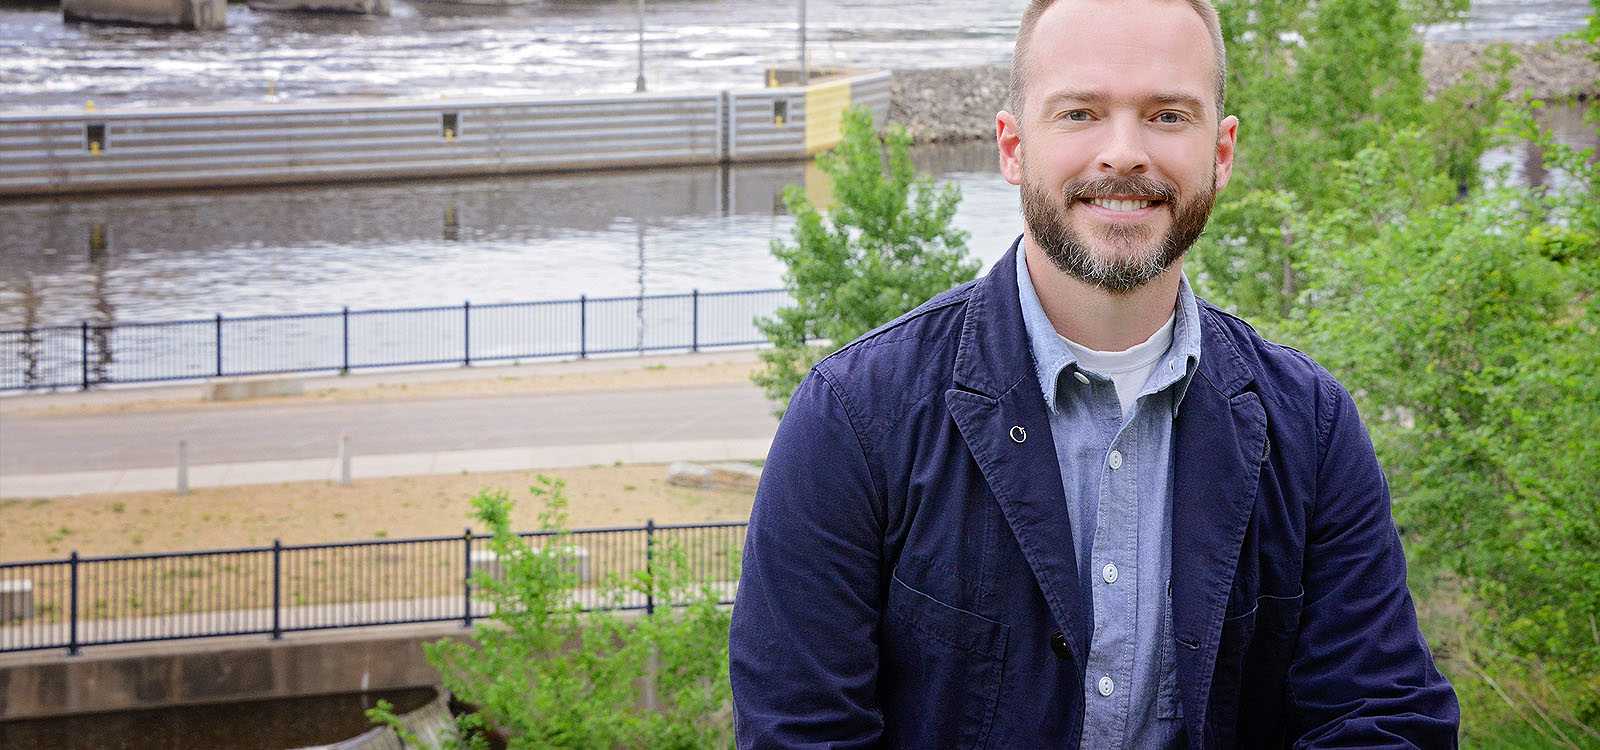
<point>1078,115</point>
<point>1170,118</point>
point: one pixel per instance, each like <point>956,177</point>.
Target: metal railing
<point>94,601</point>
<point>90,354</point>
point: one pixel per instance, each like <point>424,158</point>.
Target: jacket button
<point>1058,644</point>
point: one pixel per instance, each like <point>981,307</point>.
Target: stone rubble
<point>958,104</point>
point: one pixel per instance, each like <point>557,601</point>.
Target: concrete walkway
<point>57,445</point>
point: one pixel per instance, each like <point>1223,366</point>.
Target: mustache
<point>1125,185</point>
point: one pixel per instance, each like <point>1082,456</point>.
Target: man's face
<point>1119,152</point>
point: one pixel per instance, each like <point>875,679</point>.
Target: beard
<point>1049,220</point>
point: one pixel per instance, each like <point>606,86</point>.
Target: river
<point>161,256</point>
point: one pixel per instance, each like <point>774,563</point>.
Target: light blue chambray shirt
<point>1118,480</point>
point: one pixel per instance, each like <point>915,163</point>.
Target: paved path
<point>47,455</point>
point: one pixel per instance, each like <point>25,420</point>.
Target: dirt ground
<point>310,512</point>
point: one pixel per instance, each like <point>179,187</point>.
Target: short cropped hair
<point>1036,8</point>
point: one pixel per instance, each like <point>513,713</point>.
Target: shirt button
<point>1082,378</point>
<point>1116,460</point>
<point>1107,686</point>
<point>1109,572</point>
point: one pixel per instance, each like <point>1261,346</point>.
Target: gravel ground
<point>957,104</point>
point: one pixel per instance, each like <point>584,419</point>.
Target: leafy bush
<point>547,674</point>
<point>885,247</point>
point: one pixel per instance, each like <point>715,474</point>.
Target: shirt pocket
<point>942,669</point>
<point>1167,704</point>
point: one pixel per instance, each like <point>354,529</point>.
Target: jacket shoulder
<point>1290,383</point>
<point>899,364</point>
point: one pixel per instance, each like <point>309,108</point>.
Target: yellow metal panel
<point>825,106</point>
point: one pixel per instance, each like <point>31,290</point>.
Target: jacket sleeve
<point>803,648</point>
<point>1362,675</point>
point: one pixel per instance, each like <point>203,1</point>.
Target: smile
<point>1114,204</point>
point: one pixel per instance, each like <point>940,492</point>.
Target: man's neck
<point>1094,317</point>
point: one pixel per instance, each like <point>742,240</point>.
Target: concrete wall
<point>199,147</point>
<point>196,672</point>
<point>184,14</point>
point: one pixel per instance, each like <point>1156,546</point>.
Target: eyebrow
<point>1165,98</point>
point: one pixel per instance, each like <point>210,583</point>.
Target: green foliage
<point>1463,312</point>
<point>885,246</point>
<point>1314,82</point>
<point>548,674</point>
<point>1467,330</point>
<point>469,732</point>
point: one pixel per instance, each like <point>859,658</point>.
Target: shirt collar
<point>1052,357</point>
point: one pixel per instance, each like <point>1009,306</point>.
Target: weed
<point>119,507</point>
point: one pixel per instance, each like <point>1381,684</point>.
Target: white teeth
<point>1115,205</point>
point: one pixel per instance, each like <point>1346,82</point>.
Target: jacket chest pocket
<point>1252,662</point>
<point>942,671</point>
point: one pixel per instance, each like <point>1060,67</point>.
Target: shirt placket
<point>1113,576</point>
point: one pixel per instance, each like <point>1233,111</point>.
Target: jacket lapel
<point>1002,417</point>
<point>1219,444</point>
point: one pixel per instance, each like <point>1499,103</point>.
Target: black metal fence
<point>90,354</point>
<point>94,601</point>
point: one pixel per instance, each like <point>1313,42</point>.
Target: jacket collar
<point>1219,446</point>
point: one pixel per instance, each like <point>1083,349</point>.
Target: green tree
<point>1466,329</point>
<point>1313,82</point>
<point>887,245</point>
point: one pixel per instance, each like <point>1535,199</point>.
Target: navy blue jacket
<point>909,575</point>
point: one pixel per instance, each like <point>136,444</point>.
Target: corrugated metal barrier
<point>76,152</point>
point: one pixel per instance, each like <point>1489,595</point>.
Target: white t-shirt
<point>1129,368</point>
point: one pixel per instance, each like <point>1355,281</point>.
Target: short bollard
<point>183,467</point>
<point>344,460</point>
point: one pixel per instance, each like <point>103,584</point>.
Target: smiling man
<point>1069,504</point>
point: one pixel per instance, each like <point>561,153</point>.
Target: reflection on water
<point>268,725</point>
<point>313,249</point>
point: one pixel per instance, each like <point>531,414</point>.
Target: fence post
<point>219,345</point>
<point>466,333</point>
<point>344,459</point>
<point>466,579</point>
<point>649,566</point>
<point>85,330</point>
<point>583,326</point>
<point>694,340</point>
<point>183,467</point>
<point>345,370</point>
<point>277,589</point>
<point>72,627</point>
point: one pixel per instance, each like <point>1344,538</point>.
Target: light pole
<point>805,66</point>
<point>638,84</point>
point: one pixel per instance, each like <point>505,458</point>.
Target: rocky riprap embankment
<point>957,104</point>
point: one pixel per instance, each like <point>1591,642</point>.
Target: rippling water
<point>432,48</point>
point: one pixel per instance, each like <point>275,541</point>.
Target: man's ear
<point>1008,137</point>
<point>1227,138</point>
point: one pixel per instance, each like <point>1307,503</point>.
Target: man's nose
<point>1124,151</point>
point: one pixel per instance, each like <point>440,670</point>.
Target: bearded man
<point>1069,504</point>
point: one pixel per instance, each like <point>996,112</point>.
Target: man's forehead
<point>1102,45</point>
